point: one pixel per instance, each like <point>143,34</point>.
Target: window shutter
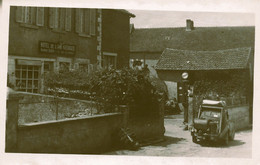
<point>87,21</point>
<point>93,22</point>
<point>40,16</point>
<point>68,20</point>
<point>78,21</point>
<point>56,18</point>
<point>51,17</point>
<point>19,14</point>
<point>62,17</point>
<point>27,14</point>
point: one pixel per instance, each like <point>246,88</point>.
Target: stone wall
<point>81,135</point>
<point>86,134</point>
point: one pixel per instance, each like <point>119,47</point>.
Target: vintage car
<point>213,123</point>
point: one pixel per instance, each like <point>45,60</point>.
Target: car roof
<point>216,103</point>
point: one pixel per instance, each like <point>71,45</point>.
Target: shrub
<point>108,87</point>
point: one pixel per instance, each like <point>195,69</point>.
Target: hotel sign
<point>57,48</point>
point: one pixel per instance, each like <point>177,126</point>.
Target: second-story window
<point>30,15</point>
<point>86,21</point>
<point>60,19</point>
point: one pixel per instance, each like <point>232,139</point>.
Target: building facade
<point>51,39</point>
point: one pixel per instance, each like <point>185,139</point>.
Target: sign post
<point>185,101</point>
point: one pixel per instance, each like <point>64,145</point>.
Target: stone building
<point>44,39</point>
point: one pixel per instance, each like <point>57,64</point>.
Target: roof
<point>173,59</point>
<point>201,38</point>
<point>126,12</point>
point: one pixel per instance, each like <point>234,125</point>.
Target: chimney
<point>189,25</point>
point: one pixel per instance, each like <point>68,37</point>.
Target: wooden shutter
<point>68,20</point>
<point>51,17</point>
<point>27,14</point>
<point>78,21</point>
<point>33,15</point>
<point>93,22</point>
<point>87,21</point>
<point>56,18</point>
<point>19,14</point>
<point>62,17</point>
<point>40,16</point>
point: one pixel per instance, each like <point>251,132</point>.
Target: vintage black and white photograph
<point>113,82</point>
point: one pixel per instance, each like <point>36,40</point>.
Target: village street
<point>178,143</point>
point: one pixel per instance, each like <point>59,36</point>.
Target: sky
<point>150,19</point>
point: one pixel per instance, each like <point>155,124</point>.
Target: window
<point>109,60</point>
<point>27,78</point>
<point>64,66</point>
<point>30,15</point>
<point>48,67</point>
<point>60,19</point>
<point>86,21</point>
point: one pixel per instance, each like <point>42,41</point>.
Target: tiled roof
<point>201,38</point>
<point>173,59</point>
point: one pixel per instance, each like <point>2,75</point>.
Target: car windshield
<point>210,113</point>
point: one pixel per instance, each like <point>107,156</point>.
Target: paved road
<point>178,143</point>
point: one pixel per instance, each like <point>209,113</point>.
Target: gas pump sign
<point>182,88</point>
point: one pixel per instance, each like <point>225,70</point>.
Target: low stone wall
<point>239,115</point>
<point>81,135</point>
<point>88,134</point>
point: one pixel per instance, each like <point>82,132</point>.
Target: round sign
<point>185,75</point>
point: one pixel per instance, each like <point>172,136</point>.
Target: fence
<point>37,108</point>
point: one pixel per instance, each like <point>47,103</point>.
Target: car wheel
<point>232,135</point>
<point>226,139</point>
<point>194,139</point>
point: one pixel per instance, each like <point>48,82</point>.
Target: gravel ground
<point>178,143</point>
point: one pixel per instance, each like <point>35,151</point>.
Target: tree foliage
<point>109,87</point>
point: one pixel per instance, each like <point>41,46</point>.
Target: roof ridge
<point>194,27</point>
<point>238,48</point>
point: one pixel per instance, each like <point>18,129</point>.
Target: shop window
<point>27,78</point>
<point>86,21</point>
<point>30,15</point>
<point>60,19</point>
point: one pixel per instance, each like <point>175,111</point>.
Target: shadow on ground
<point>168,140</point>
<point>221,145</point>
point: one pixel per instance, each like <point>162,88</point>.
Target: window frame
<point>59,19</point>
<point>82,27</point>
<point>31,17</point>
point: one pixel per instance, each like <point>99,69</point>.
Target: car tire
<point>232,135</point>
<point>226,140</point>
<point>194,139</point>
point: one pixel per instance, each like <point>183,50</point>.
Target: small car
<point>213,123</point>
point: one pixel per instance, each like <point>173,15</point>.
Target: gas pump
<point>183,96</point>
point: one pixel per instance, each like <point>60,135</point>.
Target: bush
<point>109,88</point>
